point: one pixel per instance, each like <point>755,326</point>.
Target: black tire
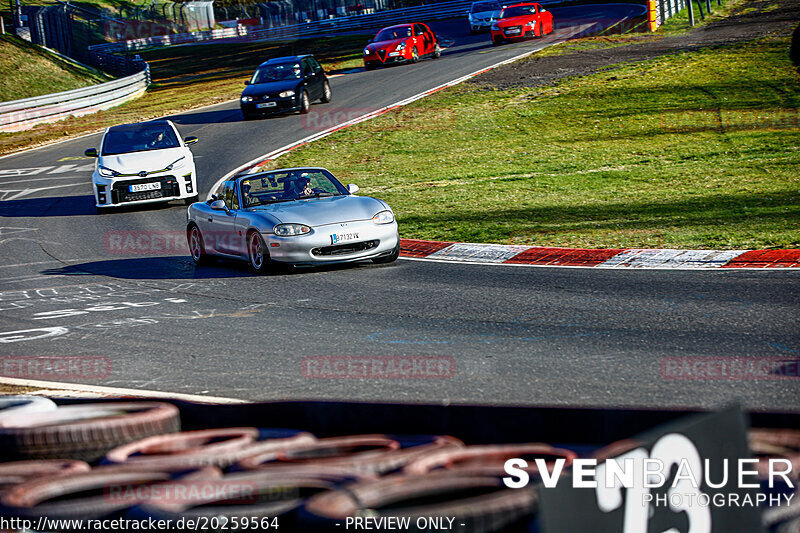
<point>391,258</point>
<point>497,42</point>
<point>197,248</point>
<point>102,210</point>
<point>437,51</point>
<point>369,66</point>
<point>248,116</point>
<point>414,55</point>
<point>84,432</point>
<point>326,93</point>
<point>17,472</point>
<point>191,199</point>
<point>257,253</point>
<point>305,103</point>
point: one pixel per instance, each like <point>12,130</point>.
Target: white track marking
<point>6,194</point>
<point>481,253</point>
<point>45,179</point>
<point>672,259</point>
<point>51,388</point>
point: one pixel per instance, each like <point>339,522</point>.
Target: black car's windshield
<point>277,72</point>
<point>290,185</point>
<point>390,34</point>
<point>484,7</point>
<point>138,138</point>
<point>518,11</point>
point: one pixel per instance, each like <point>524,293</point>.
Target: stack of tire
<point>130,460</point>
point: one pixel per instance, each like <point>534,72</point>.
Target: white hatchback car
<point>142,163</point>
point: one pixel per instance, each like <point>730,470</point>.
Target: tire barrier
<point>363,454</point>
<point>12,405</point>
<point>482,503</point>
<point>85,432</point>
<point>776,443</point>
<point>488,460</point>
<point>98,493</point>
<point>258,495</point>
<point>17,472</point>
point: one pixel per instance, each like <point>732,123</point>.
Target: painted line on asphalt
<point>51,386</point>
<point>270,156</point>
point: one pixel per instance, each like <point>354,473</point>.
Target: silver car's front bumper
<point>318,247</point>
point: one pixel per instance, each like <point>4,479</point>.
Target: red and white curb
<point>600,258</point>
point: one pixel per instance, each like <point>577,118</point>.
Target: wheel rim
<point>414,55</point>
<point>327,91</point>
<point>305,101</point>
<point>194,244</point>
<point>256,251</point>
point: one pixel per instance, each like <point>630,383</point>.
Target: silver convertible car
<point>298,216</point>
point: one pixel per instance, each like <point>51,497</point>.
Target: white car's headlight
<point>107,172</point>
<point>247,99</point>
<point>289,230</point>
<point>286,94</point>
<point>178,163</point>
<point>366,51</point>
<point>401,46</point>
<point>384,217</point>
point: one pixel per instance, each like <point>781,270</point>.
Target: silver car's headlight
<point>290,230</point>
<point>286,94</point>
<point>247,99</point>
<point>384,217</point>
<point>107,172</point>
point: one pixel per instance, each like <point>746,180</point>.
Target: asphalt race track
<point>505,334</point>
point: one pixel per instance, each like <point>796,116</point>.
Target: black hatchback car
<point>285,84</point>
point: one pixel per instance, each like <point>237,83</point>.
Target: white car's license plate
<point>144,187</point>
<point>337,238</point>
<point>511,31</point>
<point>266,104</point>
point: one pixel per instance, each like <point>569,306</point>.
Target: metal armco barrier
<point>439,11</point>
<point>20,115</point>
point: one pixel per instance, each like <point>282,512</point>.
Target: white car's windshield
<point>287,186</point>
<point>279,72</point>
<point>139,138</point>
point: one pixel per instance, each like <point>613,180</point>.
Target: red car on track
<point>521,21</point>
<point>404,43</point>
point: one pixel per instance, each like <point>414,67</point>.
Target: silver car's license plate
<point>337,238</point>
<point>144,187</point>
<point>266,104</point>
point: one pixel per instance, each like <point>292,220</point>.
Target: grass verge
<point>29,71</point>
<point>188,77</point>
<point>692,150</point>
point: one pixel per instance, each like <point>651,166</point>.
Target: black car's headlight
<point>290,230</point>
<point>286,94</point>
<point>384,217</point>
<point>247,99</point>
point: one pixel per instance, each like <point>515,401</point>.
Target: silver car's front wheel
<point>196,246</point>
<point>257,250</point>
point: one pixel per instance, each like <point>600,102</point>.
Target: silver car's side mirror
<point>218,205</point>
<point>352,188</point>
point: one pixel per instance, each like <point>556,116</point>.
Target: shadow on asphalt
<point>69,206</point>
<point>182,267</point>
<point>208,117</point>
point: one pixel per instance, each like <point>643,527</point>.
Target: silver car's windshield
<point>483,7</point>
<point>291,185</point>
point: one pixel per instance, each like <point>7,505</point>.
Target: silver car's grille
<point>345,249</point>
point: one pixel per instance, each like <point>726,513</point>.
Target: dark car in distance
<point>285,84</point>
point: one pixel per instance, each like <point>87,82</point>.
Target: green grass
<point>29,71</point>
<point>693,150</point>
<point>188,77</point>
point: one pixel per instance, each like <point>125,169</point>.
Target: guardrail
<point>439,11</point>
<point>20,115</point>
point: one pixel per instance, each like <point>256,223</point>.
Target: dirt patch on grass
<point>758,19</point>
